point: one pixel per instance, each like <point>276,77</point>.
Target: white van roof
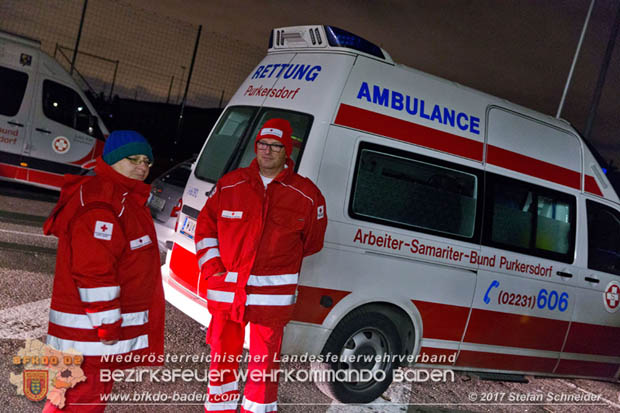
<point>23,40</point>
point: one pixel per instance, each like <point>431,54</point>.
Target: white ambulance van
<point>47,125</point>
<point>465,232</point>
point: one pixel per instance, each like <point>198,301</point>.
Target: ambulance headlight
<point>342,38</point>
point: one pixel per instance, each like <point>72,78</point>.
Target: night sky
<point>519,50</point>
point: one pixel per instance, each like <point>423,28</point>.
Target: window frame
<point>612,211</point>
<point>246,138</point>
<point>412,156</point>
<point>53,84</point>
<point>538,190</point>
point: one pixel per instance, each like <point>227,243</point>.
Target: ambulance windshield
<point>231,144</point>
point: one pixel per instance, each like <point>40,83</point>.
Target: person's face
<point>269,161</point>
<point>134,167</point>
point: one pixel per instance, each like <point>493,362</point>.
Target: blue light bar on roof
<point>342,38</point>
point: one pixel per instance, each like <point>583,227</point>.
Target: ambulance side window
<point>603,238</point>
<point>413,192</point>
<point>13,86</point>
<point>224,139</point>
<point>529,218</point>
<point>63,105</point>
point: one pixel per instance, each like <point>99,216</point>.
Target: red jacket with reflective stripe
<point>107,283</point>
<point>258,238</point>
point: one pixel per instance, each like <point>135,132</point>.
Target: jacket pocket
<point>287,218</point>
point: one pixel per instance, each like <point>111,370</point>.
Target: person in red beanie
<point>251,236</point>
<point>107,300</point>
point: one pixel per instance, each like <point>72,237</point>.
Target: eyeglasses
<point>275,147</point>
<point>137,161</point>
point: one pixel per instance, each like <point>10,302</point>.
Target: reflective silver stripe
<point>85,321</point>
<point>230,186</point>
<point>212,253</point>
<point>231,277</point>
<point>104,317</point>
<point>270,299</point>
<point>97,348</point>
<point>135,319</point>
<point>233,385</point>
<point>266,280</point>
<point>255,407</point>
<point>92,295</point>
<point>221,296</point>
<point>206,243</point>
<point>292,187</point>
<point>216,407</point>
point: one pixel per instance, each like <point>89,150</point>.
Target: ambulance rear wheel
<point>358,360</point>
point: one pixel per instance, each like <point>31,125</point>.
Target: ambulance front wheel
<point>358,359</point>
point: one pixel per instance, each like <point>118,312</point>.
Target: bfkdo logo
<point>47,373</point>
<point>35,384</point>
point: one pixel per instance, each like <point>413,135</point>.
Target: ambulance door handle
<point>21,125</point>
<point>564,274</point>
<point>592,280</point>
<point>43,130</point>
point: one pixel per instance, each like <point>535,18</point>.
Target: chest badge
<point>232,214</point>
<point>140,242</point>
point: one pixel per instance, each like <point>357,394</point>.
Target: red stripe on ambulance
<point>193,297</point>
<point>592,186</point>
<point>515,330</point>
<point>45,178</point>
<point>442,321</point>
<point>184,267</point>
<point>534,167</point>
<point>379,124</point>
<point>31,175</point>
<point>593,339</point>
<point>373,122</point>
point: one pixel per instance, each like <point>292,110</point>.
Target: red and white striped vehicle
<point>48,127</point>
<point>465,230</point>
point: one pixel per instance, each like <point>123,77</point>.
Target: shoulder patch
<point>320,212</point>
<point>103,230</point>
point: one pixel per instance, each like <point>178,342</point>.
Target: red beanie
<point>279,129</point>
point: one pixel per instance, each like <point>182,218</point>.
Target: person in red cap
<point>251,236</point>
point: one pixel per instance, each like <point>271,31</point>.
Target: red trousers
<point>261,390</point>
<point>85,397</point>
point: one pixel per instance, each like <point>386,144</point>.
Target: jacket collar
<point>281,177</point>
<point>137,189</point>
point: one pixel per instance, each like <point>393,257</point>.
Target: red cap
<point>279,129</point>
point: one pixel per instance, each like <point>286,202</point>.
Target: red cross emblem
<point>60,144</point>
<point>103,230</point>
<point>612,297</point>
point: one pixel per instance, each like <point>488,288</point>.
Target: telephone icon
<point>494,284</point>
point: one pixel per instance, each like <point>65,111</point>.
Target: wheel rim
<point>367,347</point>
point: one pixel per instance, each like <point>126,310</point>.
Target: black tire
<point>361,333</point>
